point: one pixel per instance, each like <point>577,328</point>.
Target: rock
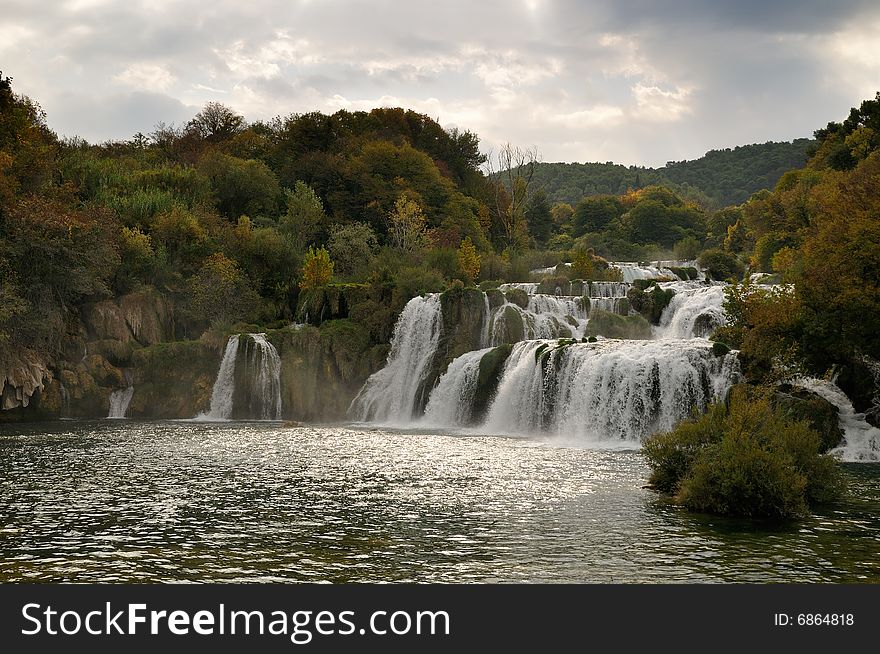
<point>518,297</point>
<point>491,367</point>
<point>105,321</point>
<point>611,325</point>
<point>22,373</point>
<point>822,416</point>
<point>147,314</point>
<point>496,298</point>
<point>650,301</point>
<point>720,349</point>
<point>173,380</point>
<point>512,329</point>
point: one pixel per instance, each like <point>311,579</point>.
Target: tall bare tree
<point>512,170</point>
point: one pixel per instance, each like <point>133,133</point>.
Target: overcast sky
<point>630,81</point>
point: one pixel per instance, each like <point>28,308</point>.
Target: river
<point>126,501</point>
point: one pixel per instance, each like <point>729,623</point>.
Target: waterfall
<point>692,312</point>
<point>390,395</point>
<point>610,390</point>
<point>452,400</point>
<point>247,387</point>
<point>263,379</point>
<point>633,271</point>
<point>224,386</point>
<point>607,289</point>
<point>547,316</point>
<point>861,440</point>
<point>119,401</point>
<point>529,287</point>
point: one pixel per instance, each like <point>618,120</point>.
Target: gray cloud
<point>629,80</point>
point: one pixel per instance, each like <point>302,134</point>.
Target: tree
<point>582,265</point>
<point>304,221</point>
<point>594,213</point>
<point>406,225</point>
<point>219,293</point>
<point>216,122</point>
<point>538,217</point>
<point>353,247</point>
<point>687,248</point>
<point>317,269</point>
<point>512,169</point>
<point>469,260</point>
<point>241,186</point>
<point>720,265</point>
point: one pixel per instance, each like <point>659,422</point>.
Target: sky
<point>631,81</point>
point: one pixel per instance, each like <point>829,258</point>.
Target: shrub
<point>749,458</point>
<point>721,265</point>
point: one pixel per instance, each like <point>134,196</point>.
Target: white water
<point>611,390</point>
<point>861,440</point>
<point>224,385</point>
<point>389,396</point>
<point>119,401</point>
<point>263,373</point>
<point>607,289</point>
<point>261,376</point>
<point>634,271</point>
<point>529,287</point>
<point>693,311</point>
<point>547,316</point>
<point>451,401</point>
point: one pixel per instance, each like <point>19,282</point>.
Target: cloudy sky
<point>630,81</point>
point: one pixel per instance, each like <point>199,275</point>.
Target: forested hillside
<point>719,178</point>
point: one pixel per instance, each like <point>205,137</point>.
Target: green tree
<point>353,248</point>
<point>304,221</point>
<point>538,217</point>
<point>216,122</point>
<point>219,293</point>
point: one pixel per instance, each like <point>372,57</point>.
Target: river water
<point>112,501</point>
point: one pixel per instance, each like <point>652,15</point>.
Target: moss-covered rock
<point>174,380</point>
<point>491,367</point>
<point>496,298</point>
<point>554,286</point>
<point>822,416</point>
<point>509,326</point>
<point>650,302</point>
<point>518,297</point>
<point>322,369</point>
<point>611,325</point>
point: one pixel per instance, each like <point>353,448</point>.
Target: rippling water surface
<point>178,501</point>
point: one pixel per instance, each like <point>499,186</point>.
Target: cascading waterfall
<point>861,440</point>
<point>452,400</point>
<point>607,289</point>
<point>389,396</point>
<point>529,287</point>
<point>224,385</point>
<point>250,386</point>
<point>633,271</point>
<point>547,316</point>
<point>606,391</point>
<point>693,312</point>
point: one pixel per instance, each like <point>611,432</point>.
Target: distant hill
<point>720,177</point>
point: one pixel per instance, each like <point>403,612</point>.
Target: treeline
<point>717,179</point>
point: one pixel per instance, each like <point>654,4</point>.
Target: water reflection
<point>178,501</point>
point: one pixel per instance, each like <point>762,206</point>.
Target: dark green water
<point>176,501</point>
